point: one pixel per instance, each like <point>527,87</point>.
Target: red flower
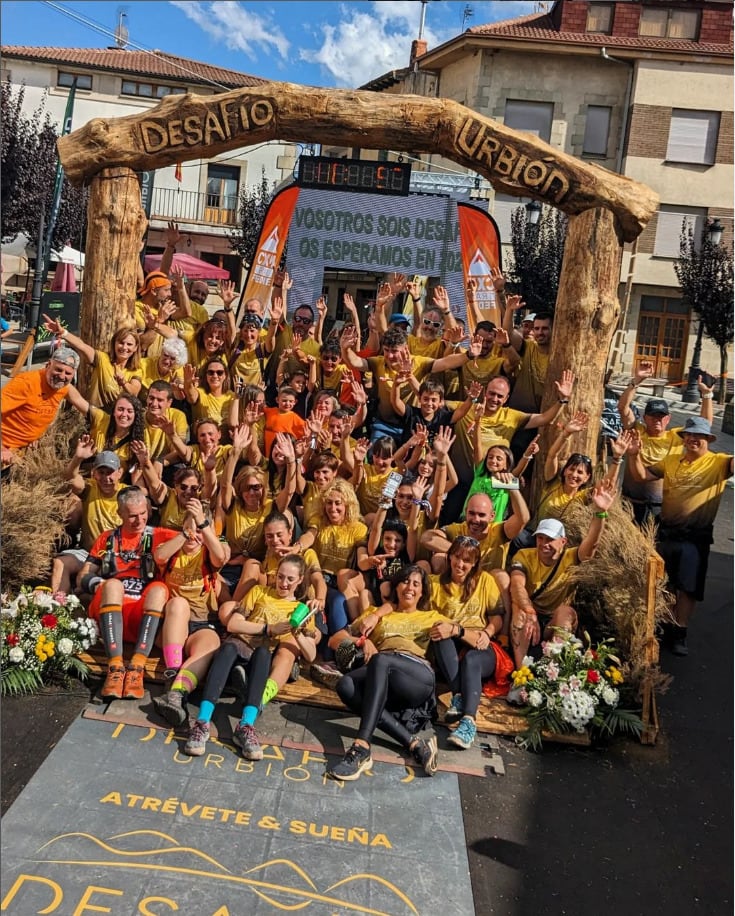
<point>593,676</point>
<point>49,621</point>
<point>12,639</point>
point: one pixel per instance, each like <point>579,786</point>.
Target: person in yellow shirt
<point>466,651</point>
<point>209,392</point>
<point>166,367</point>
<point>540,591</point>
<point>258,626</point>
<point>396,668</point>
<point>209,342</point>
<point>370,478</point>
<point>693,484</point>
<point>248,358</point>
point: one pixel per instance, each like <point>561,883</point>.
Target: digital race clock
<point>354,175</point>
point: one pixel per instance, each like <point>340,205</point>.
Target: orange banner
<point>480,245</point>
<point>268,253</point>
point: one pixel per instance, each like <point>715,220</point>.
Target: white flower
<point>553,647</point>
<point>610,696</point>
<point>73,624</point>
<point>527,662</point>
<point>16,655</point>
<point>535,698</point>
<point>65,646</point>
<point>72,602</point>
<point>552,671</point>
<point>85,644</point>
<point>574,682</point>
<point>44,600</point>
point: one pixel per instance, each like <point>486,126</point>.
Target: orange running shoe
<point>112,689</point>
<point>133,689</point>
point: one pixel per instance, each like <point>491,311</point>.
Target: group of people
<point>257,495</point>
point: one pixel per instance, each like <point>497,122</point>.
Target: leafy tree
<point>705,274</point>
<point>535,266</point>
<point>28,175</point>
<point>252,207</point>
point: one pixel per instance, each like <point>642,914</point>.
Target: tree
<point>705,274</point>
<point>252,207</point>
<point>538,251</point>
<point>28,175</point>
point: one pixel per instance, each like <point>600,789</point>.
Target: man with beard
<point>31,401</point>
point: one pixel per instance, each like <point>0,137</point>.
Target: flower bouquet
<point>572,688</point>
<point>41,636</point>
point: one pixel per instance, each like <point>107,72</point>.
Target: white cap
<point>530,317</point>
<point>552,528</point>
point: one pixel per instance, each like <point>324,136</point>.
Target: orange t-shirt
<point>277,422</point>
<point>29,406</point>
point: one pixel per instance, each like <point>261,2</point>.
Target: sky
<point>330,44</point>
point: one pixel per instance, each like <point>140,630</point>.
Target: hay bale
<point>35,503</point>
<point>611,590</point>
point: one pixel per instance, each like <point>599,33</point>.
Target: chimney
<point>419,47</point>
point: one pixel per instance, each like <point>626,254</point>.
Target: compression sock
<point>111,631</point>
<point>146,636</point>
<point>249,715</point>
<point>270,692</point>
<point>185,681</point>
<point>206,711</point>
<point>173,656</point>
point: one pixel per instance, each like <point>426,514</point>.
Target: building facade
<point>640,87</point>
<point>113,82</point>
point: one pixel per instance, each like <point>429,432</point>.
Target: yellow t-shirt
<point>311,501</point>
<point>408,632</point>
<point>221,454</point>
<point>335,545</point>
<point>103,387</point>
<point>530,378</point>
<point>484,602</point>
<point>554,502</point>
<point>158,442</point>
<point>199,357</point>
<point>262,605</point>
<point>99,513</point>
<point>185,578</point>
<point>692,490</point>
<point>653,450</point>
<point>482,370</point>
<point>371,487</point>
<point>212,407</point>
<point>269,566</point>
<point>284,341</point>
<point>496,429</point>
<point>384,378</point>
<point>248,368</point>
<point>493,547</point>
<point>149,374</point>
<point>559,590</point>
<point>99,430</point>
<point>171,514</point>
<point>244,530</point>
<point>417,346</point>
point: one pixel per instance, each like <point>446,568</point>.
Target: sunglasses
<point>215,372</point>
<point>466,541</point>
<point>189,488</point>
<point>303,319</point>
<point>431,324</point>
<point>579,458</point>
<point>253,487</point>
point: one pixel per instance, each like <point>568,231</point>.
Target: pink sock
<point>173,656</point>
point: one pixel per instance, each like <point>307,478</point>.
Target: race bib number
<point>132,587</point>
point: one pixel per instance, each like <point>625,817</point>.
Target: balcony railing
<point>194,207</point>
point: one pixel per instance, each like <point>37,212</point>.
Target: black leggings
<point>464,676</point>
<point>258,668</point>
<point>387,682</point>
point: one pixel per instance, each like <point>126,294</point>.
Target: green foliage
<point>538,251</point>
<point>252,207</point>
<point>705,274</point>
<point>28,175</point>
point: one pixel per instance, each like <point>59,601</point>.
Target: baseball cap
<point>552,528</point>
<point>656,405</point>
<point>399,318</point>
<point>530,317</point>
<point>106,460</point>
<point>697,426</point>
<point>66,355</point>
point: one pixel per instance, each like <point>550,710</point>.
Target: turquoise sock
<point>206,711</point>
<point>249,715</point>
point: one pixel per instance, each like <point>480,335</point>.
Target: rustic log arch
<point>605,209</point>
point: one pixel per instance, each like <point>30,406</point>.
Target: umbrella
<point>64,279</point>
<point>193,268</point>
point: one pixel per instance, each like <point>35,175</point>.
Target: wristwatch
<point>205,524</point>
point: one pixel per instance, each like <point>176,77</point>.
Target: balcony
<point>194,207</point>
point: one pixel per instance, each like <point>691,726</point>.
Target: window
<point>596,130</point>
<point>668,23</point>
<point>532,117</point>
<point>222,189</point>
<point>693,136</point>
<point>671,218</point>
<point>600,17</point>
<point>149,90</point>
<point>65,80</point>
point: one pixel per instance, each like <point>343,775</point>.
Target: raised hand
<point>360,450</point>
<point>475,348</point>
<point>471,289</point>
<point>384,296</point>
<point>277,309</point>
<point>53,326</point>
<point>501,337</point>
<point>287,281</point>
<point>623,442</point>
<point>443,441</point>
<point>348,337</point>
<point>84,448</point>
<point>441,298</point>
<point>191,376</point>
<point>419,487</point>
<point>413,288</point>
<point>454,335</point>
<point>565,384</point>
<point>227,292</point>
<point>643,371</point>
<point>195,509</point>
<point>241,436</point>
<point>497,278</point>
<point>397,284</point>
<point>533,448</point>
<point>172,234</point>
<point>702,386</point>
<point>177,276</point>
<point>578,422</point>
<point>166,310</point>
<point>285,445</point>
<point>475,390</point>
<point>514,303</point>
<point>140,450</point>
<point>359,395</point>
<point>321,307</point>
<point>603,494</point>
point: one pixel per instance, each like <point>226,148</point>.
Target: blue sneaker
<point>455,710</point>
<point>464,734</point>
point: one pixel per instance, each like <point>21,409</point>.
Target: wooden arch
<point>605,209</point>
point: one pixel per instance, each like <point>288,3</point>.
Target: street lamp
<point>713,237</point>
<point>533,213</point>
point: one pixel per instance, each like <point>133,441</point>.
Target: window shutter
<point>693,136</point>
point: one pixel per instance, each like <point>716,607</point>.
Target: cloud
<point>236,27</point>
<point>365,44</point>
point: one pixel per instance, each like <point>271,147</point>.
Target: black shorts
<point>685,554</point>
<point>196,625</point>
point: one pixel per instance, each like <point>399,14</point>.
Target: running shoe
<point>455,710</point>
<point>426,753</point>
<point>133,688</point>
<point>171,706</point>
<point>246,739</point>
<point>464,734</point>
<point>198,737</point>
<point>112,689</point>
<point>354,762</point>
